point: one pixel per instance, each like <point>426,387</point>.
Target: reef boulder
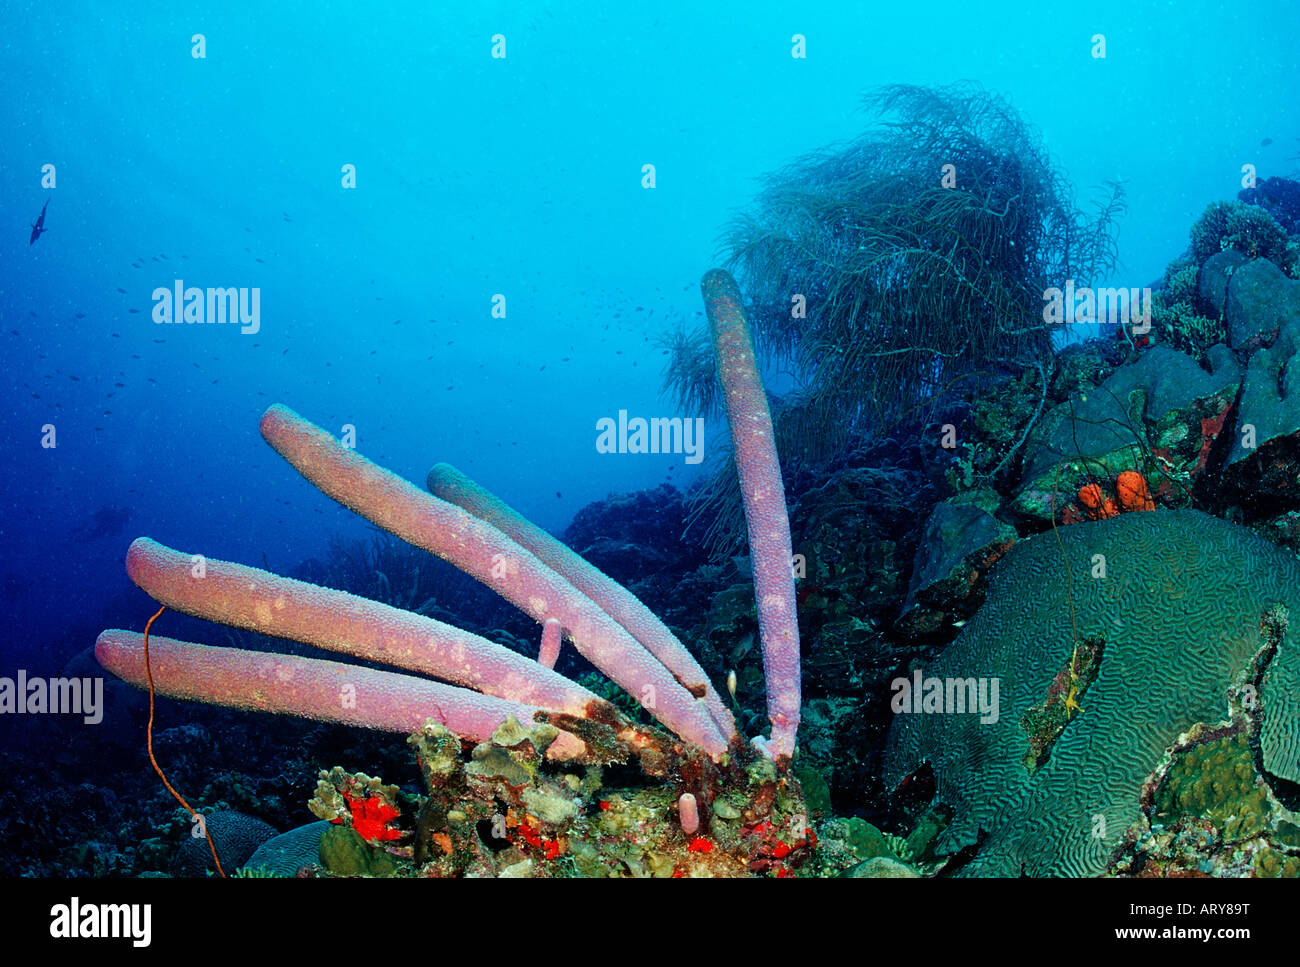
<point>1261,463</point>
<point>962,540</point>
<point>1259,301</point>
<point>1161,413</point>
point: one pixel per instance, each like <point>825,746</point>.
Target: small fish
<point>121,290</point>
<point>1266,142</point>
<point>38,226</point>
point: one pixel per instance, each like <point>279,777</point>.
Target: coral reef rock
<point>1260,461</point>
<point>1164,404</point>
<point>962,539</point>
<point>1259,301</point>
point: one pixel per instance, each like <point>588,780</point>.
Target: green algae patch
<point>344,853</point>
<point>815,790</point>
<point>1216,781</point>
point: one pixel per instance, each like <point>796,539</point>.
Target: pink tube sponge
<point>763,493</point>
<point>688,812</point>
<point>489,556</point>
<point>257,600</point>
<point>327,691</point>
<point>448,483</point>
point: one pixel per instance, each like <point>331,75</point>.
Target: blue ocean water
<point>475,176</point>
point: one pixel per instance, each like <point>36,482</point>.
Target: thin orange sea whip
<point>149,746</point>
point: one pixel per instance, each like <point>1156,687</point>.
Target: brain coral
<point>236,837</point>
<point>1176,599</point>
<point>286,854</point>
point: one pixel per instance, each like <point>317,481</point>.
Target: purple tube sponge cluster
<point>473,530</point>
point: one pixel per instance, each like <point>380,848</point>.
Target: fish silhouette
<point>38,226</point>
<point>108,521</point>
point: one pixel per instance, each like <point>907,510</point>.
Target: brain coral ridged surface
<point>1179,611</point>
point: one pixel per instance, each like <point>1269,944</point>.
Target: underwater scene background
<point>1023,287</point>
